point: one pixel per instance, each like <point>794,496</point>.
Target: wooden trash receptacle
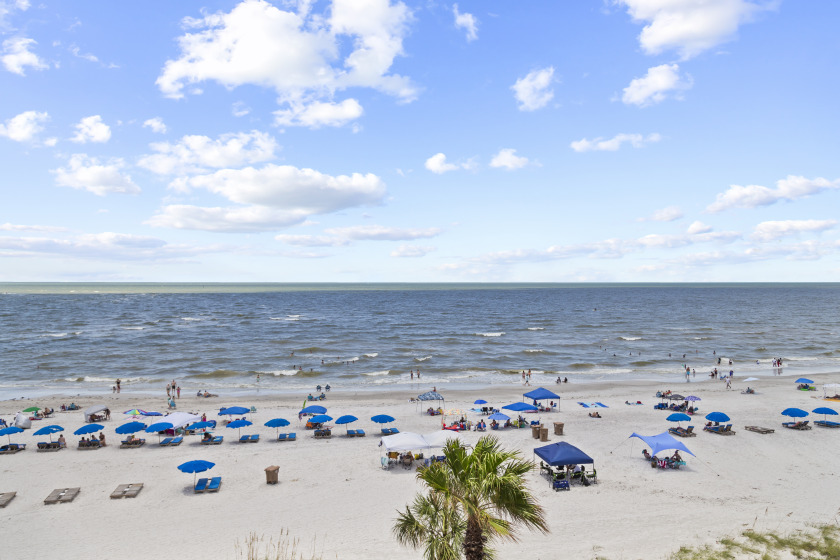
<point>271,474</point>
<point>535,431</point>
<point>558,428</point>
<point>544,434</point>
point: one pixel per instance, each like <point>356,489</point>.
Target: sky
<point>402,141</point>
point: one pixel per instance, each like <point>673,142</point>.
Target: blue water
<point>79,338</point>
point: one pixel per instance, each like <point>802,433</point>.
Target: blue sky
<point>376,140</point>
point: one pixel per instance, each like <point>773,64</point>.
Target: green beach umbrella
<point>31,409</point>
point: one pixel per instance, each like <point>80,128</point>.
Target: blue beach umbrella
<point>804,380</point>
<point>717,417</point>
<point>238,424</point>
<point>313,409</point>
<point>277,423</point>
<point>196,467</point>
<point>346,419</point>
<point>320,419</point>
<point>201,425</point>
<point>153,413</point>
<point>480,401</point>
<point>9,431</point>
<point>89,429</point>
<point>499,417</point>
<point>234,410</point>
<point>130,428</point>
<point>159,427</point>
<point>382,418</point>
<point>693,398</point>
<point>825,410</point>
<point>679,417</point>
<point>48,430</point>
<point>520,407</point>
<point>794,413</point>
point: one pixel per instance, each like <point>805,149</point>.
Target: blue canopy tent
<point>662,442</point>
<point>562,454</point>
<point>540,394</point>
<point>430,396</point>
<point>520,407</point>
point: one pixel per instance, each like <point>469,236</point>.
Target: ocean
<point>245,338</point>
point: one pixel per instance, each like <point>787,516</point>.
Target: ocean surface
<point>286,338</point>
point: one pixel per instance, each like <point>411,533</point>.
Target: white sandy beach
<point>334,493</point>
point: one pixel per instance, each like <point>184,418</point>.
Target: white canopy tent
<point>93,410</point>
<point>180,419</point>
<point>408,441</point>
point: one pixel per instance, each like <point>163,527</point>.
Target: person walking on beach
<point>118,385</point>
<point>179,391</point>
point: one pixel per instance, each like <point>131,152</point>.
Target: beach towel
<point>593,405</point>
<point>602,405</point>
<point>583,404</point>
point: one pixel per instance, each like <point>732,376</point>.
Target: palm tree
<point>472,499</point>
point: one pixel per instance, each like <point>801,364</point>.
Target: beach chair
<point>759,429</point>
<point>678,431</point>
<point>827,423</point>
<point>133,490</point>
<point>120,491</point>
<point>244,439</point>
<point>176,441</point>
<point>323,434</point>
<point>727,430</point>
<point>49,446</point>
<point>201,485</point>
<point>53,497</point>
<point>12,448</point>
<point>360,433</point>
<point>62,495</point>
<point>215,483</point>
<point>6,497</point>
<point>164,442</point>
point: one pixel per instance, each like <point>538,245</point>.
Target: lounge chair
<point>133,443</point>
<point>360,433</point>
<point>12,448</point>
<point>165,442</point>
<point>254,438</point>
<point>244,439</point>
<point>323,434</point>
<point>201,485</point>
<point>133,490</point>
<point>213,441</point>
<point>797,425</point>
<point>827,423</point>
<point>759,429</point>
<point>50,446</point>
<point>727,430</point>
<point>682,432</point>
<point>215,483</point>
<point>287,437</point>
<point>120,491</point>
<point>6,497</point>
<point>62,495</point>
<point>176,441</point>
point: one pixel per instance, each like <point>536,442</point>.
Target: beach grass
<point>817,542</point>
<point>282,547</point>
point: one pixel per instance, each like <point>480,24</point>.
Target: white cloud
<point>690,26</point>
<point>752,196</point>
<point>197,154</point>
<point>17,56</point>
<point>383,233</point>
<point>18,227</point>
<point>9,6</point>
<point>86,173</point>
<point>534,90</point>
<point>24,127</point>
<point>656,85</point>
<point>105,245</point>
<point>317,114</point>
<point>411,251</point>
<point>769,231</point>
<point>698,227</point>
<point>668,214</point>
<point>225,219</point>
<point>614,143</point>
<point>92,129</point>
<point>467,22</point>
<point>312,240</point>
<point>77,52</point>
<point>272,197</point>
<point>240,109</point>
<point>438,164</point>
<point>156,124</point>
<point>508,159</point>
<point>298,54</point>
